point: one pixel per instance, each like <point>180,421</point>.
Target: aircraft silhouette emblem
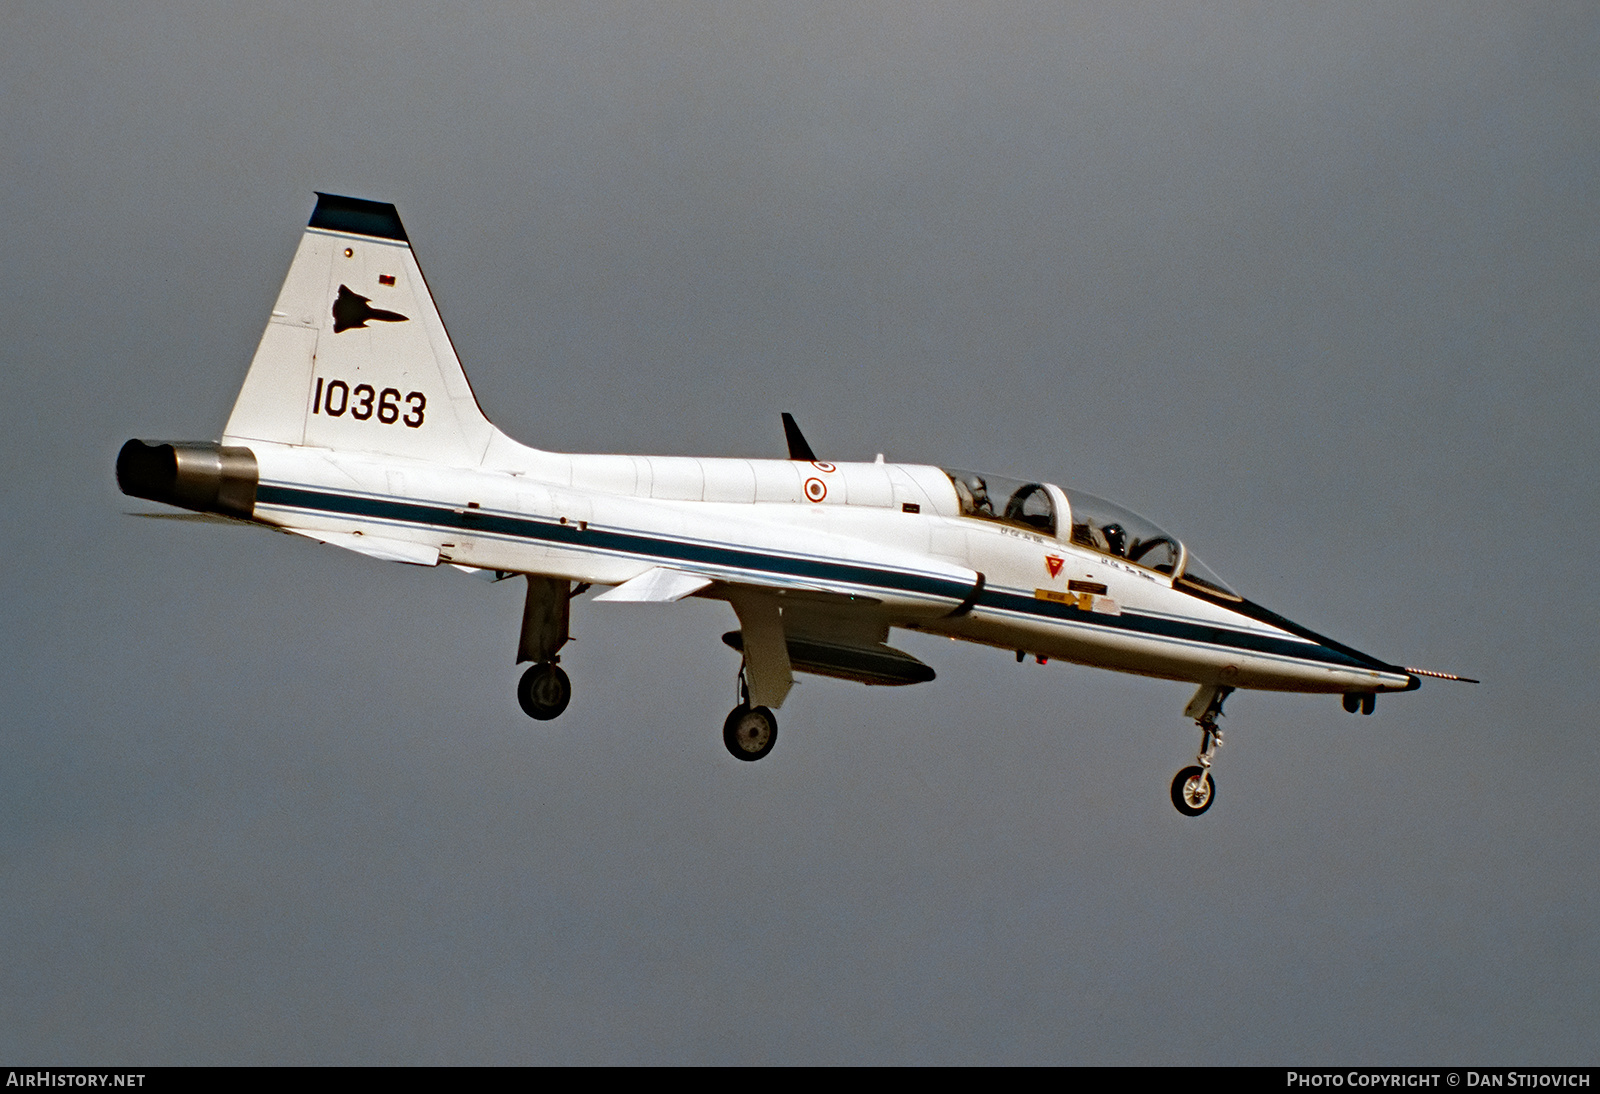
<point>352,310</point>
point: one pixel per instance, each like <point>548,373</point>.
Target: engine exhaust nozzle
<point>200,475</point>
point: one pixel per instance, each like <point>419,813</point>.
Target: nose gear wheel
<point>1194,789</point>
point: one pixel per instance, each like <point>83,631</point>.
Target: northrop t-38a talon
<point>356,427</point>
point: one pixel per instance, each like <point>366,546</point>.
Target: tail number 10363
<point>335,397</point>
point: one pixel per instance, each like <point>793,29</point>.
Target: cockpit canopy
<point>1097,524</point>
<point>1106,527</point>
<point>1009,501</point>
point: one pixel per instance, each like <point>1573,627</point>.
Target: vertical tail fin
<point>355,356</point>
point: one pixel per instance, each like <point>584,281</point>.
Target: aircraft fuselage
<point>891,536</point>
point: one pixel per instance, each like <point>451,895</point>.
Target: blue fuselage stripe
<point>1166,627</point>
<point>588,538</point>
<point>570,535</point>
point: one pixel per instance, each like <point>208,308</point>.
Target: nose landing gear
<point>1194,788</point>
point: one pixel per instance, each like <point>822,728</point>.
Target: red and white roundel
<point>816,489</point>
<point>825,467</point>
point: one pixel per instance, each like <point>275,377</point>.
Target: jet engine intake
<point>200,475</point>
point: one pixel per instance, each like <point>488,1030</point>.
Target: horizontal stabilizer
<point>197,518</point>
<point>389,550</point>
<point>876,664</point>
<point>658,585</point>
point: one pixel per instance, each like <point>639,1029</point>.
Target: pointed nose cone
<point>1350,669</point>
<point>1386,677</point>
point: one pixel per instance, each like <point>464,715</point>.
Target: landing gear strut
<point>749,732</point>
<point>544,690</point>
<point>1194,789</point>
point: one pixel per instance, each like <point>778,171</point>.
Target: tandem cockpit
<point>1087,521</point>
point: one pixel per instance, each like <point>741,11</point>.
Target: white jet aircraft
<point>356,427</point>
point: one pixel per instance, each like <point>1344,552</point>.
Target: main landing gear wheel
<point>750,732</point>
<point>544,691</point>
<point>1193,791</point>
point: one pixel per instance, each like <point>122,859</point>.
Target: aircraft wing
<point>659,585</point>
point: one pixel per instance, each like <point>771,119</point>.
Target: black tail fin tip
<point>357,217</point>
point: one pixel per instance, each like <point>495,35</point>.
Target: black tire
<point>750,732</point>
<point>1369,702</point>
<point>544,691</point>
<point>1187,800</point>
<point>1352,701</point>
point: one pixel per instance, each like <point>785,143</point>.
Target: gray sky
<point>1315,286</point>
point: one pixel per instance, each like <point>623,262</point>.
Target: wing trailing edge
<point>657,585</point>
